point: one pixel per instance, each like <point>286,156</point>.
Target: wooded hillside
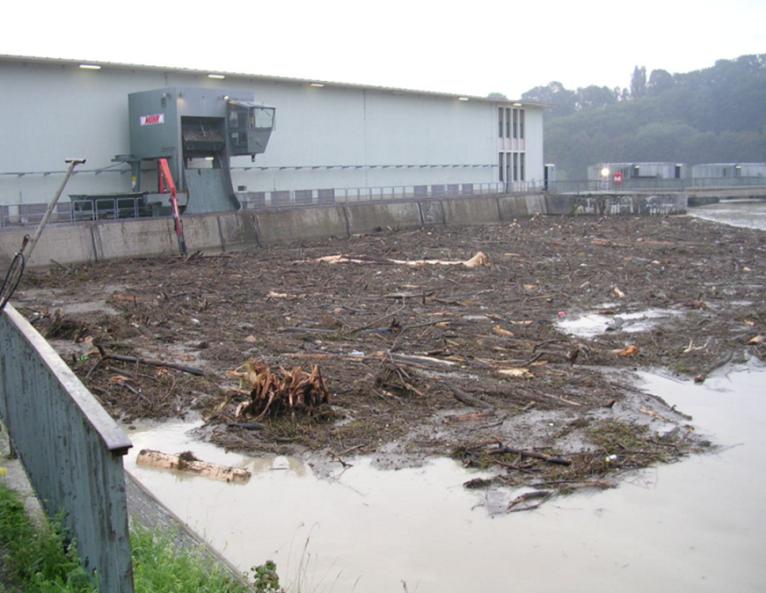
<point>713,115</point>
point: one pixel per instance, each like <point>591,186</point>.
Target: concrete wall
<point>96,241</point>
<point>331,137</point>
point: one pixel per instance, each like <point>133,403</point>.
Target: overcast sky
<point>471,47</point>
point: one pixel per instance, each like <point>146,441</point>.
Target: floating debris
<point>189,463</point>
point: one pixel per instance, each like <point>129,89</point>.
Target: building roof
<point>254,77</point>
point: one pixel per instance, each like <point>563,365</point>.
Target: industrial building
<point>328,139</point>
<point>637,171</point>
<point>728,170</point>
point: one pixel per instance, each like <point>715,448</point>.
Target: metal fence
<point>129,207</point>
<point>580,186</point>
<point>74,211</point>
<point>70,447</point>
<point>350,195</point>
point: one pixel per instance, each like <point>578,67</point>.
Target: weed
<point>159,567</point>
<point>265,578</point>
<point>39,560</point>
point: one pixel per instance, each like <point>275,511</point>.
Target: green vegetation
<point>36,559</point>
<point>158,567</point>
<point>710,115</point>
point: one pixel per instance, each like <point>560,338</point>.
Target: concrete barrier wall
<point>616,204</point>
<point>202,232</point>
<point>471,211</point>
<point>432,212</point>
<point>512,207</point>
<point>95,241</point>
<point>365,218</point>
<point>149,236</point>
<point>64,244</point>
<point>288,226</point>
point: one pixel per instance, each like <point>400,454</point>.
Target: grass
<point>37,559</point>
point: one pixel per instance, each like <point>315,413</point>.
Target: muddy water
<point>744,213</point>
<point>697,525</point>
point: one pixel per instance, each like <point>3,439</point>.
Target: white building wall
<point>49,112</point>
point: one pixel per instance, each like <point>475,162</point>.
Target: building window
<point>521,124</point>
<point>515,166</point>
<point>500,122</point>
<point>521,163</point>
<point>508,123</point>
<point>515,123</point>
<point>500,159</point>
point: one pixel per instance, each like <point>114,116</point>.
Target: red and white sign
<point>618,177</point>
<point>152,120</point>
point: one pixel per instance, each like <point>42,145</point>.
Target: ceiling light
<point>216,76</point>
<point>462,98</point>
<point>90,66</point>
<point>318,85</point>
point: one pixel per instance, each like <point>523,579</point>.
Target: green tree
<point>638,82</point>
<point>712,115</point>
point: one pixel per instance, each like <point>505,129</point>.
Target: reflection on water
<point>697,525</point>
<point>744,213</point>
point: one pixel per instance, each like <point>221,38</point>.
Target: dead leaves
<point>627,352</point>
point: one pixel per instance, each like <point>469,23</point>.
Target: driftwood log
<point>187,462</point>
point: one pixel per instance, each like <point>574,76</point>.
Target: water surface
<point>744,213</point>
<point>697,525</point>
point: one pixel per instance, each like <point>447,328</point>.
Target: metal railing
<point>350,195</point>
<point>70,447</point>
<point>108,209</point>
<point>134,207</point>
<point>579,186</point>
<point>77,211</point>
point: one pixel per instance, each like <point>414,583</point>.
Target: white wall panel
<point>49,112</point>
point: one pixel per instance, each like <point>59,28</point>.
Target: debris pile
<point>276,393</point>
<point>427,350</point>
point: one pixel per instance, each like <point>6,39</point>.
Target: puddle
<point>697,525</point>
<point>590,325</point>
